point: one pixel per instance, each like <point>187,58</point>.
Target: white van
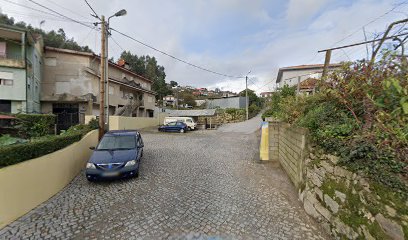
<point>187,120</point>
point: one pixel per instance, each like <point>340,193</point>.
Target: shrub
<point>40,146</point>
<point>21,152</point>
<point>35,125</point>
<point>93,124</point>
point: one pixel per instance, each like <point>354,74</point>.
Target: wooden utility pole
<point>326,63</point>
<point>102,82</point>
<point>246,97</point>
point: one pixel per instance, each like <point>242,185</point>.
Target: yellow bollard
<point>264,146</point>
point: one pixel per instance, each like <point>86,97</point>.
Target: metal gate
<point>67,115</point>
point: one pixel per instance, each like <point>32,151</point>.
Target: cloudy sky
<point>227,36</point>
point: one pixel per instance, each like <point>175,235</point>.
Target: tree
<point>253,98</point>
<point>173,84</point>
<point>147,67</point>
<point>188,99</point>
<point>57,39</point>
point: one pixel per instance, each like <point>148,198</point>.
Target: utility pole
<point>246,97</point>
<point>326,63</point>
<point>102,82</point>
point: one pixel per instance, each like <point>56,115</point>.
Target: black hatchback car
<point>117,155</point>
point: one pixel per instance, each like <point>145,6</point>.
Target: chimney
<point>123,63</point>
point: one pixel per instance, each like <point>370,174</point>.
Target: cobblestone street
<point>198,185</point>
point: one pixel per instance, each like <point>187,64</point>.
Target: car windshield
<point>117,142</point>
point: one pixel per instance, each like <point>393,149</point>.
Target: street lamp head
<point>122,12</point>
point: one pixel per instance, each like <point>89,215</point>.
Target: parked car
<point>174,127</point>
<point>187,120</point>
<point>117,155</point>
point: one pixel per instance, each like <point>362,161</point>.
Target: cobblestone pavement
<point>198,185</point>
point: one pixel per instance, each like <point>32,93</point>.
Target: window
<point>6,82</point>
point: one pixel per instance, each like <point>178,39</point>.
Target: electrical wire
<point>175,58</point>
<point>31,8</point>
<point>62,15</point>
<point>372,21</point>
<point>67,9</point>
<point>96,15</point>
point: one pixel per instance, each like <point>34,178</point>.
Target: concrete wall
<point>232,102</point>
<point>25,185</point>
<point>18,90</point>
<point>125,123</point>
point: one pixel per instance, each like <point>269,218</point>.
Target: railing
<point>12,55</point>
<point>12,60</point>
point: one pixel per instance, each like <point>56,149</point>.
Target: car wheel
<point>182,130</point>
<point>189,129</point>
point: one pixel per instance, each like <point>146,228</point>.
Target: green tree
<point>173,84</point>
<point>57,39</point>
<point>253,98</point>
<point>147,67</point>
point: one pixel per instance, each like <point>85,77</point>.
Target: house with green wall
<point>21,55</point>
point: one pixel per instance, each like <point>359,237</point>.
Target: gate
<point>67,115</point>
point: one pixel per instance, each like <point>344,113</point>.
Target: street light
<point>120,13</point>
<point>104,116</point>
<point>246,94</point>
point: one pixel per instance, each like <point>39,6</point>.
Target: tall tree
<point>147,66</point>
<point>52,38</point>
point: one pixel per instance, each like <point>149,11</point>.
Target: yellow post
<point>264,146</point>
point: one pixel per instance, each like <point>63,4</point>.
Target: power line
<point>176,58</point>
<point>42,17</point>
<point>96,15</point>
<point>24,6</point>
<point>69,10</point>
<point>60,14</point>
<point>359,29</point>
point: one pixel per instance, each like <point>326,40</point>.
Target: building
<point>20,70</point>
<point>292,75</point>
<point>70,88</point>
<point>266,94</point>
<point>169,100</point>
<point>223,103</point>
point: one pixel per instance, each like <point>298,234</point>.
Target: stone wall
<point>288,145</point>
<point>347,205</point>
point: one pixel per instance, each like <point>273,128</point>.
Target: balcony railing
<point>12,60</point>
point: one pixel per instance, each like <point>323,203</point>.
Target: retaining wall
<point>25,185</point>
<point>347,205</point>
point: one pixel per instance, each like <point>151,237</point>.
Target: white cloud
<point>299,10</point>
<point>164,24</point>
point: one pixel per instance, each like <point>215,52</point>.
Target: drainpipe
<point>24,56</point>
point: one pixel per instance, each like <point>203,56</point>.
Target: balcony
<point>12,60</point>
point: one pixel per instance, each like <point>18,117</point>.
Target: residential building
<point>292,75</point>
<point>266,94</point>
<point>169,100</point>
<point>70,88</point>
<point>20,70</point>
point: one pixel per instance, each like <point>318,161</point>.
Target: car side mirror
<point>92,148</point>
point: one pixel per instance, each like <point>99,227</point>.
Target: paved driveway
<point>196,185</point>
